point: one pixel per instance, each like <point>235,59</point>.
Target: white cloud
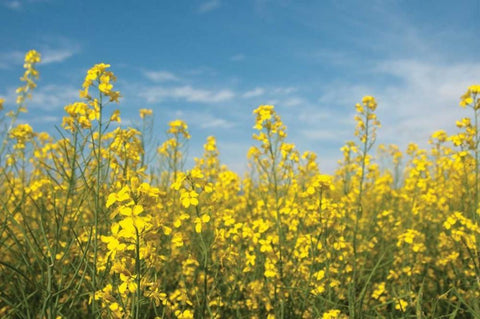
<point>426,100</point>
<point>56,55</point>
<point>344,93</point>
<point>254,93</point>
<point>48,55</point>
<point>293,101</point>
<point>187,93</point>
<point>56,49</point>
<point>415,98</point>
<point>161,76</point>
<point>216,123</point>
<point>203,120</point>
<point>202,70</point>
<point>208,6</point>
<point>209,121</point>
<point>50,97</point>
<point>284,90</point>
<point>418,98</point>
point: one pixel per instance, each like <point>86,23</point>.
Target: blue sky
<point>212,62</point>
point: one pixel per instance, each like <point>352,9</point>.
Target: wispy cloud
<point>52,97</point>
<point>49,55</point>
<point>254,93</point>
<point>419,98</point>
<point>284,90</point>
<point>334,94</point>
<point>293,101</point>
<point>216,123</point>
<point>187,93</point>
<point>56,55</point>
<point>278,96</point>
<point>426,98</point>
<point>201,71</point>
<point>206,120</point>
<point>161,76</point>
<point>208,6</point>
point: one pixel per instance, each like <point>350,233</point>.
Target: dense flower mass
<point>95,224</point>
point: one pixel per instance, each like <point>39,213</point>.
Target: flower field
<point>90,227</point>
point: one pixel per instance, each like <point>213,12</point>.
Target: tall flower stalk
<point>471,98</point>
<point>23,93</point>
<point>99,77</point>
<point>365,130</point>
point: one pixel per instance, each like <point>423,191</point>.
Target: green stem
<point>475,207</point>
<point>358,215</point>
<point>138,273</point>
<point>97,204</point>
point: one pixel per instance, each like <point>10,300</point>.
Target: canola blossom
<point>93,226</point>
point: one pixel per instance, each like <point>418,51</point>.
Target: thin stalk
<point>475,207</point>
<point>138,275</point>
<point>273,154</point>
<point>358,214</point>
<point>97,204</point>
<point>205,249</point>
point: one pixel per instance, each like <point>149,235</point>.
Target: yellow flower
<point>178,127</point>
<point>128,284</point>
<point>32,56</point>
<point>369,101</point>
<point>474,89</point>
<point>186,314</point>
<point>331,314</point>
<point>22,133</point>
<point>467,98</point>
<point>379,290</point>
<point>104,79</point>
<point>189,198</point>
<point>211,144</point>
<point>270,269</point>
<point>401,304</point>
<point>105,87</point>
<point>115,116</point>
<point>113,245</point>
<point>122,196</point>
<point>145,112</point>
<point>198,222</point>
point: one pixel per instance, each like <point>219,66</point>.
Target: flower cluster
<point>91,228</point>
<point>100,77</point>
